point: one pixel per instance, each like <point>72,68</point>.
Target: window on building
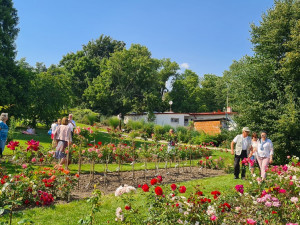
<point>174,120</point>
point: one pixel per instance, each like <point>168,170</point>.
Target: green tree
<point>84,65</point>
<point>128,81</point>
<point>186,93</point>
<point>264,89</point>
<point>8,34</point>
<point>211,92</point>
<point>49,96</point>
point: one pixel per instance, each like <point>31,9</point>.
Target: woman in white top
<point>264,153</point>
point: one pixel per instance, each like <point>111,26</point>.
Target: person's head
<point>254,136</point>
<point>64,121</point>
<point>70,116</point>
<point>171,131</point>
<point>263,134</point>
<point>4,117</point>
<point>59,121</point>
<point>246,131</point>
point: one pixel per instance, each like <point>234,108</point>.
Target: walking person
<point>264,153</point>
<point>62,135</point>
<point>242,149</point>
<point>3,132</point>
<point>72,123</point>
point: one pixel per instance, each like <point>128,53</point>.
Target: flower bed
<point>273,201</point>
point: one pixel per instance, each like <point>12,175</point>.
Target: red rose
<point>159,179</point>
<point>139,186</point>
<point>99,143</point>
<point>182,189</point>
<point>274,212</point>
<point>153,181</point>
<point>173,186</point>
<point>158,190</point>
<point>145,188</point>
<point>127,207</point>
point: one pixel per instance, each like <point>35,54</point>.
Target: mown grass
<point>70,213</point>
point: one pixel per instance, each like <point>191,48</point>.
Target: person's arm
<point>232,147</point>
<point>271,152</point>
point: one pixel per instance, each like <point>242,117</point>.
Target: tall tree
<point>265,88</point>
<point>186,93</point>
<point>128,82</point>
<point>8,34</point>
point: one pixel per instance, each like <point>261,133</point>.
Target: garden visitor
<point>172,140</point>
<point>253,153</point>
<point>72,123</point>
<point>3,132</point>
<point>264,153</point>
<point>243,147</point>
<point>62,135</point>
<point>29,131</point>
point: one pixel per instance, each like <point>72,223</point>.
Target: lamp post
<point>170,103</point>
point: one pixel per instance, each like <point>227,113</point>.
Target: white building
<point>183,119</point>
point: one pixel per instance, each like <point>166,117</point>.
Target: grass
<point>70,213</point>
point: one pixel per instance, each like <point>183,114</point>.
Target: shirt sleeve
<point>271,147</point>
<point>235,139</point>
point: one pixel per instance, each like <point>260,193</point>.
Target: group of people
<point>260,150</point>
<point>62,133</point>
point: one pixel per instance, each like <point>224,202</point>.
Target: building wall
<point>209,127</point>
<point>163,119</point>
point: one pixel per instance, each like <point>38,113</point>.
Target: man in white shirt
<point>243,147</point>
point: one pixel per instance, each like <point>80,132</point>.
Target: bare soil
<point>115,179</point>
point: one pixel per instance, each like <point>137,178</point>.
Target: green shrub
<point>167,128</point>
<point>113,122</point>
<point>85,116</point>
<point>148,128</point>
<point>158,130</point>
<point>135,125</point>
<point>204,138</point>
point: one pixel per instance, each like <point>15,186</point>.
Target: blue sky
<point>202,35</point>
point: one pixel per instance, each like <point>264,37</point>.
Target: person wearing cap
<point>243,147</point>
<point>264,153</point>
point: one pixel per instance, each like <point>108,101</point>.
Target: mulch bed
<point>115,179</point>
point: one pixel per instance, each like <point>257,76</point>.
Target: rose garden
<point>121,180</point>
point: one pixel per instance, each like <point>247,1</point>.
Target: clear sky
<point>202,35</point>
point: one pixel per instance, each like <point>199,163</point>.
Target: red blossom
<point>159,179</point>
<point>145,188</point>
<point>158,191</point>
<point>182,189</point>
<point>153,181</point>
<point>173,187</point>
<point>33,145</point>
<point>127,207</point>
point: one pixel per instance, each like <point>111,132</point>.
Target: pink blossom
<point>213,218</point>
<point>251,221</point>
<point>24,166</point>
<point>276,204</point>
<point>83,151</point>
<point>100,155</point>
<point>294,199</point>
<point>282,191</point>
<point>268,204</point>
<point>33,160</point>
<point>90,149</point>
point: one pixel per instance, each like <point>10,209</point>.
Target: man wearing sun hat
<point>242,149</point>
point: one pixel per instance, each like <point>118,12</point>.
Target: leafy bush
<point>85,116</point>
<point>167,128</point>
<point>134,125</point>
<point>158,130</point>
<point>204,138</point>
<point>148,128</point>
<point>113,122</point>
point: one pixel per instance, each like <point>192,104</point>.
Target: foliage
<point>113,122</point>
<point>86,116</point>
<point>134,125</point>
<point>264,88</point>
